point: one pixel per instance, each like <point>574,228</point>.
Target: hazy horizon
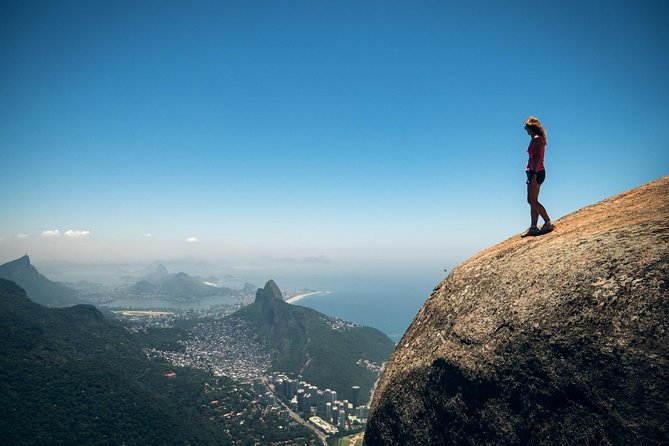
<point>321,274</point>
<point>367,133</point>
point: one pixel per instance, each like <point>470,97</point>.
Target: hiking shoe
<point>532,230</point>
<point>547,227</point>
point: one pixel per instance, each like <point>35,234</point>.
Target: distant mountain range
<point>327,352</point>
<point>39,288</point>
<point>157,275</point>
<point>157,282</point>
<point>160,283</point>
<point>73,376</point>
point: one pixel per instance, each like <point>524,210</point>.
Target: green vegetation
<point>168,339</point>
<point>305,342</point>
<point>71,376</point>
<point>348,440</point>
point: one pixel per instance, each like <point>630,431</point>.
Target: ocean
<point>385,299</point>
<point>386,303</point>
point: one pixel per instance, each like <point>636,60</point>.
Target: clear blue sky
<point>372,130</point>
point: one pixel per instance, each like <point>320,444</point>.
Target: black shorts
<point>541,176</point>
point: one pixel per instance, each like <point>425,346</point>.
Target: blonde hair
<point>533,123</point>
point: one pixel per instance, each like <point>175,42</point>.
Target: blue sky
<point>371,131</point>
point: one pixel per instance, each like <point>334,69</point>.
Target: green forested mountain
<point>324,350</point>
<point>70,376</point>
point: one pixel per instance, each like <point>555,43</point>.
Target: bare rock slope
<point>560,339</point>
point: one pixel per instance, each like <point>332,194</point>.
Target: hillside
<point>40,289</point>
<point>324,350</point>
<point>70,376</point>
<point>553,340</point>
<point>70,367</point>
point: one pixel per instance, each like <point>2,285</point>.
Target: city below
<point>228,347</point>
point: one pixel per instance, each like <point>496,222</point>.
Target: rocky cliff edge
<point>559,339</point>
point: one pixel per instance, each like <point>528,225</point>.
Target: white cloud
<point>51,233</point>
<point>148,234</point>
<point>191,239</point>
<point>77,233</point>
<point>21,235</point>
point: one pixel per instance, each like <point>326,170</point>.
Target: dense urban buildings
<point>320,407</point>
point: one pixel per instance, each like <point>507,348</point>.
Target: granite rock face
<point>559,339</point>
<point>269,293</point>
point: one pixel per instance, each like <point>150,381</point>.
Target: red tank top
<point>536,149</point>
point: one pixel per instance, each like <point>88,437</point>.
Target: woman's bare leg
<point>536,208</point>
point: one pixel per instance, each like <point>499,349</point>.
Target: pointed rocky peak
<point>269,293</point>
<point>20,267</point>
<point>161,270</point>
<point>39,288</point>
<point>20,263</point>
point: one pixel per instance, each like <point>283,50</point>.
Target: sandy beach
<point>294,299</point>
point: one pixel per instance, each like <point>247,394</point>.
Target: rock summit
<point>553,340</point>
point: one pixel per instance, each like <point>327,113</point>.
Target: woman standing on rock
<point>536,174</point>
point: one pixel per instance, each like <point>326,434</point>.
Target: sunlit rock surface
<point>559,339</point>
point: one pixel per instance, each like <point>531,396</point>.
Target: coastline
<point>294,299</point>
<point>152,313</point>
